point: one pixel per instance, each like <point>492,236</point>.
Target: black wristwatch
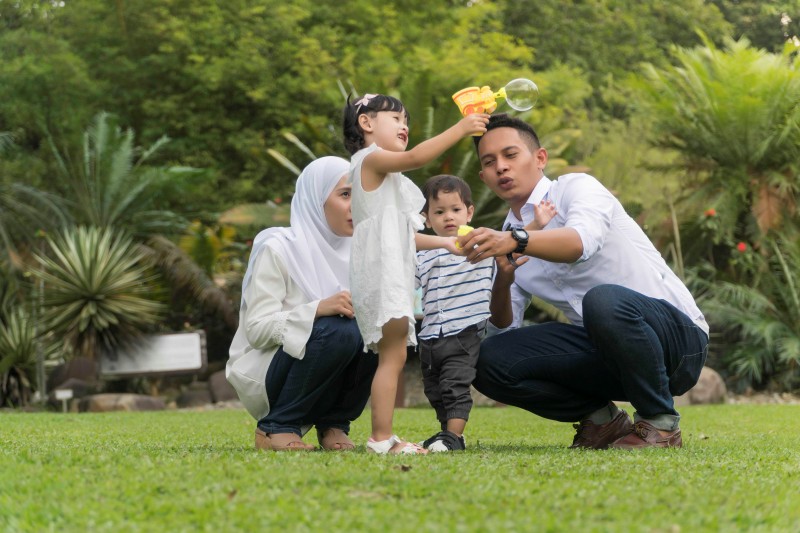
<point>521,236</point>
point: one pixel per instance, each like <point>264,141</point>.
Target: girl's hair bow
<point>364,101</point>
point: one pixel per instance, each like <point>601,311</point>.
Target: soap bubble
<point>521,94</point>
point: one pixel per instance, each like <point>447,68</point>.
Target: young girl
<point>386,208</point>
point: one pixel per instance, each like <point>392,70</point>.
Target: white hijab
<point>318,260</point>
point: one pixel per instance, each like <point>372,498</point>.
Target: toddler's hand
<point>451,245</point>
<point>463,230</point>
<point>474,124</point>
<point>542,214</point>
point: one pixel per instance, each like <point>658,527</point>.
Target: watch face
<point>520,234</point>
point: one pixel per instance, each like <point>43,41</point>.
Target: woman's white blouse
<point>274,313</point>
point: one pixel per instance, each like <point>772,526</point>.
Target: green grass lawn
<point>739,470</point>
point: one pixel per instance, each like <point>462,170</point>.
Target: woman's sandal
<point>394,445</point>
<point>334,439</point>
<point>281,442</point>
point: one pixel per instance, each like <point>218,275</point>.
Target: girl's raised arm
<point>383,162</point>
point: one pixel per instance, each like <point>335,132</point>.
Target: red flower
<point>742,247</point>
<point>277,200</point>
<point>711,212</point>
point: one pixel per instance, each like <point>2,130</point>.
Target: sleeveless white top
<point>383,253</point>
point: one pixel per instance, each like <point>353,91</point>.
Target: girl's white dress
<point>383,253</point>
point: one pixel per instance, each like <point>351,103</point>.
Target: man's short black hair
<point>525,130</point>
<point>445,183</point>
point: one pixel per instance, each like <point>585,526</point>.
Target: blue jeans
<point>630,348</point>
<point>328,388</point>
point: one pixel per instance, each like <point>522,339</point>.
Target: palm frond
<point>114,186</point>
<point>183,274</point>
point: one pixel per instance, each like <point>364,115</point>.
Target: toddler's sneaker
<point>445,441</point>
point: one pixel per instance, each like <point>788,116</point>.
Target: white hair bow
<point>364,101</point>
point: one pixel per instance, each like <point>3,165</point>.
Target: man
<point>636,333</point>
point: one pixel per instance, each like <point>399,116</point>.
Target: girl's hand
<point>474,124</point>
<point>339,304</point>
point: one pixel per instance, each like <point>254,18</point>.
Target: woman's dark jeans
<point>631,348</point>
<point>329,387</point>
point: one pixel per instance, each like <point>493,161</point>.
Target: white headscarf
<point>318,260</point>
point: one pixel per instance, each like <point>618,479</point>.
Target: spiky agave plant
<point>98,291</point>
<point>17,357</point>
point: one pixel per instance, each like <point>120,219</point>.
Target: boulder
<point>221,390</point>
<point>194,397</point>
<point>710,388</point>
<point>99,403</point>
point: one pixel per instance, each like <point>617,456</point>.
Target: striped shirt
<point>455,293</point>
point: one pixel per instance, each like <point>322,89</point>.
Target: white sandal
<point>385,447</point>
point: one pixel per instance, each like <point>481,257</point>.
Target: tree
<point>111,184</point>
<point>605,39</point>
<point>113,187</point>
<point>732,116</point>
<point>767,25</point>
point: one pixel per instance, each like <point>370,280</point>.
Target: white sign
<point>63,394</point>
<point>174,353</point>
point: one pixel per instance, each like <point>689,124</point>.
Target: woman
<point>296,359</point>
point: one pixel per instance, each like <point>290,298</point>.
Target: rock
<point>99,403</point>
<point>221,390</point>
<point>194,397</point>
<point>710,388</point>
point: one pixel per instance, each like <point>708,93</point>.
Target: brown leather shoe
<point>645,435</point>
<point>599,436</point>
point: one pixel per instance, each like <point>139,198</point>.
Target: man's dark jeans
<point>631,348</point>
<point>329,387</point>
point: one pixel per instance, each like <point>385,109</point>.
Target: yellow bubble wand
<point>521,94</point>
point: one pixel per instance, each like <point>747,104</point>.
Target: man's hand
<point>506,269</point>
<point>339,304</point>
<point>484,242</point>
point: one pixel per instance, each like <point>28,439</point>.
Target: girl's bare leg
<point>391,359</point>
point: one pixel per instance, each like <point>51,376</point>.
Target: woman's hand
<point>339,304</point>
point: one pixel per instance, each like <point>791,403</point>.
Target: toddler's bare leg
<point>456,425</point>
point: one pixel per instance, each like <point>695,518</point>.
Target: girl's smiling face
<point>387,129</point>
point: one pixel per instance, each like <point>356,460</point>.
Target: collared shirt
<point>455,293</point>
<point>615,251</point>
